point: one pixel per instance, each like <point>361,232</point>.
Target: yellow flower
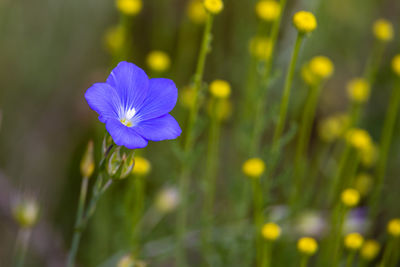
<point>350,197</point>
<point>321,66</point>
<point>370,249</point>
<point>187,97</point>
<point>114,38</point>
<point>333,127</point>
<point>363,183</point>
<point>158,61</point>
<point>167,200</point>
<point>396,64</point>
<point>260,48</point>
<point>214,6</point>
<point>142,166</point>
<point>307,245</point>
<point>26,212</point>
<point>307,75</point>
<point>383,30</point>
<point>359,139</point>
<point>223,109</point>
<point>129,7</point>
<point>220,89</point>
<point>253,167</point>
<point>304,21</point>
<point>268,10</point>
<point>196,11</point>
<point>271,231</point>
<point>358,90</point>
<point>353,241</point>
<point>393,227</point>
<point>369,155</point>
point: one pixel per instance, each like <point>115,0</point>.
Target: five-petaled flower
<point>135,108</point>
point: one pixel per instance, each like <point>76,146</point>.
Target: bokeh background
<point>52,51</point>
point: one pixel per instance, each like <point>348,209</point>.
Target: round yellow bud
<point>393,227</point>
<point>220,89</point>
<point>333,127</point>
<point>271,231</point>
<point>222,109</point>
<point>260,48</point>
<point>307,75</point>
<point>196,11</point>
<point>129,7</point>
<point>369,155</point>
<point>321,66</point>
<point>187,97</point>
<point>370,249</point>
<point>359,139</point>
<point>167,200</point>
<point>253,167</point>
<point>383,30</point>
<point>396,65</point>
<point>268,10</point>
<point>307,245</point>
<point>214,6</point>
<point>304,21</point>
<point>26,212</point>
<point>350,197</point>
<point>358,90</point>
<point>142,166</point>
<point>114,39</point>
<point>353,241</point>
<point>158,61</point>
<point>363,183</point>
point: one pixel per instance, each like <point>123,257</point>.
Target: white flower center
<point>125,119</point>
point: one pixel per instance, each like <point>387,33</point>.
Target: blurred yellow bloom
<point>353,241</point>
<point>369,155</point>
<point>260,48</point>
<point>158,61</point>
<point>359,139</point>
<point>321,66</point>
<point>333,127</point>
<point>307,245</point>
<point>363,183</point>
<point>396,65</point>
<point>142,166</point>
<point>268,10</point>
<point>350,197</point>
<point>271,231</point>
<point>370,249</point>
<point>196,11</point>
<point>187,97</point>
<point>26,212</point>
<point>223,109</point>
<point>167,200</point>
<point>214,6</point>
<point>304,21</point>
<point>358,90</point>
<point>129,7</point>
<point>114,38</point>
<point>307,75</point>
<point>253,167</point>
<point>220,89</point>
<point>393,227</point>
<point>87,162</point>
<point>383,30</point>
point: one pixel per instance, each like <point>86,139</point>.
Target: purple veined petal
<point>161,99</point>
<point>125,136</point>
<point>131,84</point>
<point>158,129</point>
<point>103,99</point>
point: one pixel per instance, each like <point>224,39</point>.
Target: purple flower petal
<point>160,101</point>
<point>125,136</point>
<point>131,83</point>
<point>103,99</point>
<point>158,129</point>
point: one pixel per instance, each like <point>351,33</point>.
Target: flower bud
<point>307,245</point>
<point>370,250</point>
<point>142,166</point>
<point>304,22</point>
<point>220,89</point>
<point>358,90</point>
<point>87,162</point>
<point>167,200</point>
<point>129,7</point>
<point>350,197</point>
<point>383,30</point>
<point>26,212</point>
<point>214,6</point>
<point>196,12</point>
<point>393,227</point>
<point>353,241</point>
<point>271,231</point>
<point>158,61</point>
<point>253,167</point>
<point>268,10</point>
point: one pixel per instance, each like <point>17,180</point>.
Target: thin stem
<point>304,261</point>
<point>23,238</point>
<point>266,256</point>
<point>138,206</point>
<point>350,258</point>
<point>286,93</point>
<point>258,219</point>
<point>387,254</point>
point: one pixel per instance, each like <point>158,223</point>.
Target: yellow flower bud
<point>393,227</point>
<point>359,139</point>
<point>271,231</point>
<point>321,66</point>
<point>363,183</point>
<point>253,167</point>
<point>26,212</point>
<point>260,48</point>
<point>196,11</point>
<point>304,21</point>
<point>396,64</point>
<point>307,75</point>
<point>167,200</point>
<point>158,61</point>
<point>358,90</point>
<point>221,109</point>
<point>220,89</point>
<point>87,162</point>
<point>370,250</point>
<point>307,245</point>
<point>350,197</point>
<point>369,155</point>
<point>333,127</point>
<point>114,39</point>
<point>142,166</point>
<point>353,241</point>
<point>187,97</point>
<point>383,30</point>
<point>129,7</point>
<point>268,10</point>
<point>214,6</point>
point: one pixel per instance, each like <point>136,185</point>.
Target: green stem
<point>337,223</point>
<point>350,258</point>
<point>304,261</point>
<point>23,238</point>
<point>266,256</point>
<point>387,254</point>
<point>258,218</point>
<point>286,93</point>
<point>138,206</point>
<point>374,62</point>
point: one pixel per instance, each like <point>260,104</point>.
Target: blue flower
<point>135,108</point>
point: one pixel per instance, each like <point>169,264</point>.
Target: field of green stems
<point>188,133</point>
